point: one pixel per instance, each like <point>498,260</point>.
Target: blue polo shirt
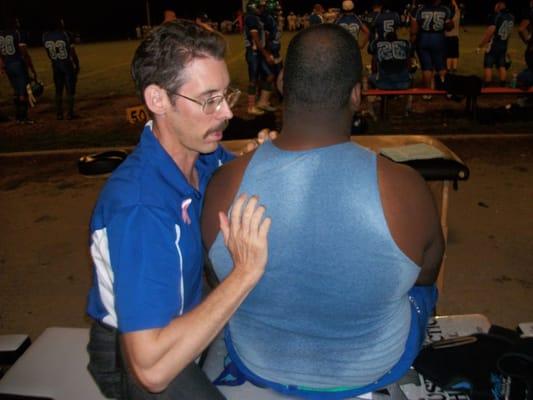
<point>145,239</point>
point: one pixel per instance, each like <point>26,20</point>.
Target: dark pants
<point>65,81</point>
<point>17,73</point>
<point>106,366</point>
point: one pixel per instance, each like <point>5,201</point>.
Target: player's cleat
<point>25,121</point>
<point>266,107</point>
<point>255,111</point>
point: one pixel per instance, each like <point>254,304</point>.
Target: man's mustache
<point>220,127</point>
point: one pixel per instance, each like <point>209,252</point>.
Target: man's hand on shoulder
<point>245,234</point>
<point>262,136</point>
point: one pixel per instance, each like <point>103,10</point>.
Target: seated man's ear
<point>279,82</point>
<point>156,99</point>
<point>355,97</point>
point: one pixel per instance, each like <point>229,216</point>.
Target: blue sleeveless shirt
<point>332,308</point>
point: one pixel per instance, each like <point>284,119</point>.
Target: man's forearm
<point>159,355</point>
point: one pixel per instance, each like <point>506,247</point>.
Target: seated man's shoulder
<point>229,173</point>
<point>220,193</point>
<point>402,184</point>
<point>409,209</point>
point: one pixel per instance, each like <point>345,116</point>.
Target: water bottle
<point>514,80</point>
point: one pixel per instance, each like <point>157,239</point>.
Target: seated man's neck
<point>304,131</point>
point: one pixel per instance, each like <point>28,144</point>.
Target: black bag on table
<point>495,365</point>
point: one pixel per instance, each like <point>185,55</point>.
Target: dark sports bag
<point>495,365</point>
<point>460,85</point>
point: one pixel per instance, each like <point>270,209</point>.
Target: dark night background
<point>116,19</point>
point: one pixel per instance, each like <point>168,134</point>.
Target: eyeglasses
<point>214,104</point>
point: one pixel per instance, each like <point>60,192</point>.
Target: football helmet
<point>252,6</point>
<point>34,90</point>
<point>272,6</point>
<point>37,88</point>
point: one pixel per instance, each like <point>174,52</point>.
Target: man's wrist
<point>244,277</point>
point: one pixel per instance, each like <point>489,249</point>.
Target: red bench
<point>471,102</point>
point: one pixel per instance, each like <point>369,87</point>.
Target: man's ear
<point>279,82</point>
<point>355,97</point>
<point>156,99</point>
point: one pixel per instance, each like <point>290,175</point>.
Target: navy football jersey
<point>384,23</point>
<point>370,19</point>
<point>58,45</point>
<point>504,22</point>
<point>252,22</point>
<point>315,19</point>
<point>432,19</point>
<point>274,35</point>
<point>392,56</point>
<point>352,23</point>
<point>10,42</point>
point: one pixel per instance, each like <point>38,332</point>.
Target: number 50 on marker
<point>136,114</point>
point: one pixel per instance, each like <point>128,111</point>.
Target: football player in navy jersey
<point>59,45</point>
<point>369,18</point>
<point>258,58</point>
<point>392,55</point>
<point>273,45</point>
<point>428,25</point>
<point>496,39</point>
<point>316,16</point>
<point>382,22</point>
<point>16,61</point>
<point>526,24</point>
<point>353,23</point>
<point>387,21</point>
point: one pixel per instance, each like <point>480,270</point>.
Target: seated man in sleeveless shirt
<point>355,244</point>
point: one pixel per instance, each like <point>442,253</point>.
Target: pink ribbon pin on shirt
<point>184,211</point>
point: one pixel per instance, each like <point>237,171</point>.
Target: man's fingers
<point>272,135</point>
<point>247,214</point>
<point>236,212</point>
<point>265,227</point>
<point>262,135</point>
<point>224,226</point>
<point>255,222</point>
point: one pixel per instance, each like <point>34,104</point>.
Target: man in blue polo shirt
<point>150,320</point>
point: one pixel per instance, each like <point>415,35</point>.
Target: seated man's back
<point>351,235</point>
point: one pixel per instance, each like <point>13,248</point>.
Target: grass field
<point>105,89</point>
<point>105,66</point>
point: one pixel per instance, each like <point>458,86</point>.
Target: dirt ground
<point>45,206</point>
<point>102,121</point>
